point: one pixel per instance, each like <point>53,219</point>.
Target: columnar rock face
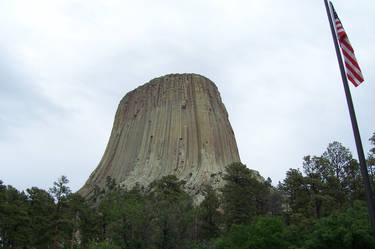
<point>175,124</point>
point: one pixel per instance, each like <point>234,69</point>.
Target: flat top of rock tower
<point>177,75</point>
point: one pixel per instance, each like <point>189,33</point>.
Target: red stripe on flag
<point>347,44</point>
<point>351,59</point>
<point>351,79</point>
<point>355,74</point>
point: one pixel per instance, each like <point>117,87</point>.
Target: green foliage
<point>349,228</point>
<point>209,217</point>
<point>244,196</point>
<point>330,182</point>
<point>60,189</point>
<point>267,233</point>
<point>264,233</point>
<point>338,158</point>
<point>103,245</point>
<point>61,220</point>
<point>320,207</point>
<point>168,188</point>
<point>76,209</point>
<point>171,214</point>
<point>14,220</point>
<point>298,230</point>
<point>120,218</point>
<point>297,193</point>
<point>41,210</point>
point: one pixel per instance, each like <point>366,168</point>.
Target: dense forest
<point>319,206</point>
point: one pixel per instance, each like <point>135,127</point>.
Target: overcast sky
<point>65,65</point>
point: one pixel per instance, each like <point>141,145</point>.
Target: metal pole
<point>357,137</point>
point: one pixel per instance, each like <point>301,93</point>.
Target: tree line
<point>319,206</point>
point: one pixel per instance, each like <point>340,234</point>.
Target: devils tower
<point>175,124</point>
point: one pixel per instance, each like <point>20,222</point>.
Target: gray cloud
<point>22,101</point>
<point>67,65</point>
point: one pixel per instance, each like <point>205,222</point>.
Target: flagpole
<point>357,137</point>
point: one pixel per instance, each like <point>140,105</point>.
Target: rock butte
<point>175,124</point>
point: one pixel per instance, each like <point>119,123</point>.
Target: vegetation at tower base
<point>319,206</point>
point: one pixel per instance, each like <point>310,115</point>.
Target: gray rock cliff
<point>175,124</point>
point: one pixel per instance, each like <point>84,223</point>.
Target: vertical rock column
<point>175,124</point>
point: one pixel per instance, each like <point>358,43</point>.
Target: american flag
<point>353,72</point>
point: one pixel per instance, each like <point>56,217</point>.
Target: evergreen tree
<point>319,183</point>
<point>297,194</point>
<point>339,158</point>
<point>88,226</point>
<point>41,212</point>
<point>108,213</point>
<point>171,213</point>
<point>275,202</point>
<point>341,163</point>
<point>74,213</point>
<point>60,191</point>
<point>15,222</point>
<point>209,217</point>
<point>244,196</point>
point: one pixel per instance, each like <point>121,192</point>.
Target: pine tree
<point>60,192</point>
<point>244,196</point>
<point>15,223</point>
<point>41,212</point>
<point>209,217</point>
<point>171,213</point>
